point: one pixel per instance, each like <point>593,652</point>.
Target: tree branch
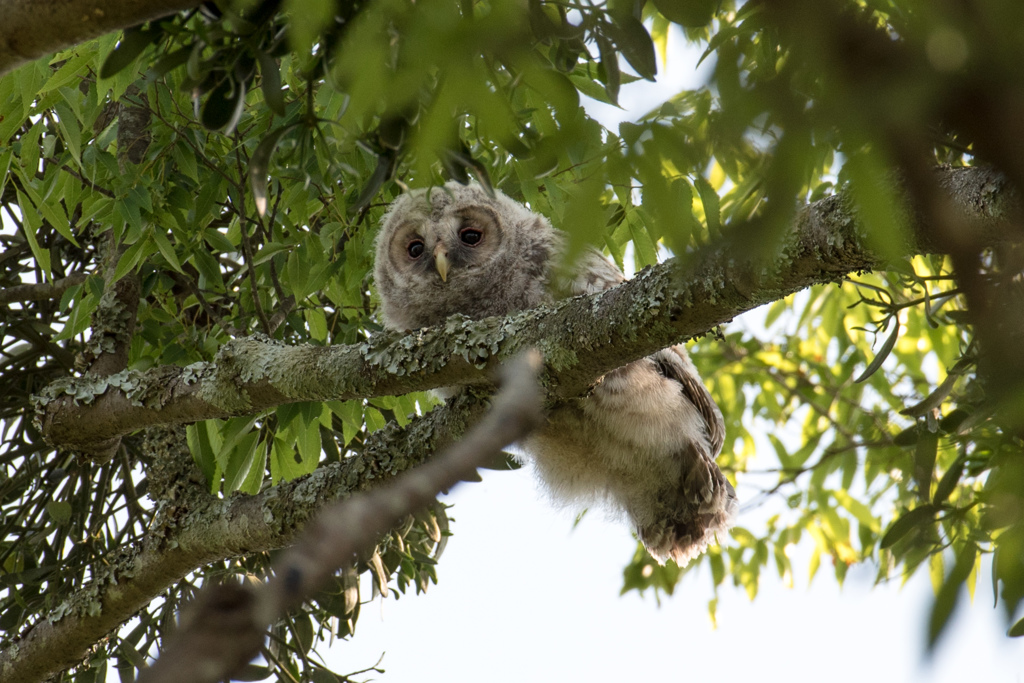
<point>228,622</point>
<point>33,28</point>
<point>580,338</point>
<point>198,529</point>
<point>42,291</point>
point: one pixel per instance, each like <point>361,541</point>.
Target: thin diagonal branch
<point>227,622</point>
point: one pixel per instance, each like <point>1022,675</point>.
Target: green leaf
<point>924,463</point>
<point>612,75</point>
<point>259,165</point>
<point>257,471</point>
<point>166,250</point>
<point>132,256</point>
<point>949,480</point>
<point>268,251</point>
<point>860,511</point>
<point>204,443</point>
<point>883,353</point>
<point>223,106</point>
<point>218,242</point>
<point>635,43</point>
<point>384,170</point>
<point>69,72</point>
<point>316,321</point>
<point>775,310</point>
<point>645,252</point>
<point>242,459</point>
<point>6,155</point>
<point>79,317</point>
<point>307,442</point>
<point>910,520</point>
<point>949,595</point>
<point>69,113</point>
<point>689,13</point>
<point>185,160</point>
<point>285,464</point>
<point>169,62</point>
<point>70,294</point>
<point>303,631</point>
<point>54,214</point>
<point>270,82</point>
<point>30,224</point>
<point>231,432</point>
<point>308,18</point>
<point>590,87</point>
<point>374,420</point>
<point>133,42</point>
<point>814,565</point>
<point>908,437</point>
<point>130,211</point>
<point>59,511</point>
<point>252,672</point>
<point>209,270</point>
<point>1017,630</point>
<point>712,209</point>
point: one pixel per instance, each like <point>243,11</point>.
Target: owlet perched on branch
<point>646,437</point>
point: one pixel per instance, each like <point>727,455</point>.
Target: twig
<point>223,629</point>
<point>41,291</point>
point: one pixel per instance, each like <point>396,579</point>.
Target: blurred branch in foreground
<point>223,629</point>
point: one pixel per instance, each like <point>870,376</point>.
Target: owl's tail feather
<point>689,516</point>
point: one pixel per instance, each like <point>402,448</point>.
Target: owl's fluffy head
<point>457,249</point>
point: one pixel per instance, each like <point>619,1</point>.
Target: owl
<point>643,441</point>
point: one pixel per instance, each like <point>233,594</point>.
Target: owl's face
<point>459,250</point>
<point>450,241</point>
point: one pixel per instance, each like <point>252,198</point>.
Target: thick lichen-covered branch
<point>581,338</point>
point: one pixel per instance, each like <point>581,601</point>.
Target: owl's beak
<point>441,262</point>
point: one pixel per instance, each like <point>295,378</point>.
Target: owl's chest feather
<point>479,296</point>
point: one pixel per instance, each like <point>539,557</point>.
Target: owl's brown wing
<point>702,503</point>
<point>675,364</point>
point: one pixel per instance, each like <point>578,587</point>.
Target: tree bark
<point>33,28</point>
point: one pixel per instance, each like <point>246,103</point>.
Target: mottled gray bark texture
<point>33,28</point>
<point>581,339</point>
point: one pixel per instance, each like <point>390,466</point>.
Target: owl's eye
<point>415,248</point>
<point>470,236</point>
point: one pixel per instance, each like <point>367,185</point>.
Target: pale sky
<point>522,596</point>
